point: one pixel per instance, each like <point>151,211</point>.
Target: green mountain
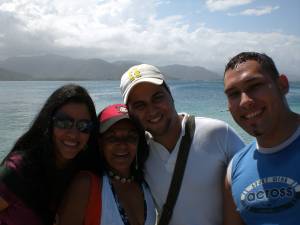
<point>13,76</point>
<point>55,67</point>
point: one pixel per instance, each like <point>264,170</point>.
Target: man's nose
<point>151,109</point>
<point>246,100</point>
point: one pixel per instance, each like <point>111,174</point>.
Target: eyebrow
<point>137,102</point>
<point>159,92</point>
<point>252,78</point>
<point>226,91</point>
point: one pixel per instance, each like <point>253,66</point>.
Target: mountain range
<point>56,67</point>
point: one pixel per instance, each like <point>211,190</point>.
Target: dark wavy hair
<point>43,184</point>
<point>266,62</point>
<point>142,155</point>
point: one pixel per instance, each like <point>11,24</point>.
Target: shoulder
<point>14,160</point>
<point>83,180</point>
<point>243,153</point>
<point>76,201</point>
<point>81,185</point>
<point>211,123</point>
<point>205,123</point>
<point>12,169</point>
<point>210,127</point>
<point>80,188</point>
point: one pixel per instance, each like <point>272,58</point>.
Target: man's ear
<point>283,84</point>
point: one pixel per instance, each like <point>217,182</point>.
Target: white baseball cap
<point>138,74</point>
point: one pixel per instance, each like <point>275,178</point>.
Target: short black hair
<point>164,85</point>
<point>267,64</point>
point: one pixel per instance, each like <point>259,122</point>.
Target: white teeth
<point>155,120</point>
<point>70,143</point>
<point>251,115</point>
<point>121,154</point>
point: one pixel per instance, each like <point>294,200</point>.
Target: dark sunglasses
<point>64,121</point>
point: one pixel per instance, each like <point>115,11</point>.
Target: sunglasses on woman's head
<point>64,121</point>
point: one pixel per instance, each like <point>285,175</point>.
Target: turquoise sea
<point>20,101</point>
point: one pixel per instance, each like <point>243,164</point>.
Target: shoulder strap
<point>178,171</point>
<point>93,209</point>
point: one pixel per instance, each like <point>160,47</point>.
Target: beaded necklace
<point>119,178</point>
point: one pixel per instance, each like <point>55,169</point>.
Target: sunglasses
<point>64,121</point>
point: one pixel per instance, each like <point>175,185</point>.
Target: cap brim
<point>104,126</point>
<point>151,80</point>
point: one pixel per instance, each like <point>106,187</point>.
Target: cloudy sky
<point>191,32</point>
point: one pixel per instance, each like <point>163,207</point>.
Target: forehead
<point>76,110</point>
<point>143,91</point>
<point>244,72</point>
<point>122,125</point>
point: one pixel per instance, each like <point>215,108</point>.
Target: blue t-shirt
<point>266,186</point>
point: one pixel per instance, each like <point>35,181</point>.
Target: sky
<point>203,33</point>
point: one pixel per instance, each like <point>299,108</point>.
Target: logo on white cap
<point>133,74</point>
<point>137,74</point>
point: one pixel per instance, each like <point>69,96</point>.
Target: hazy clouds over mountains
<point>54,67</point>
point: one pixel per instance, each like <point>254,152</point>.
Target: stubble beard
<point>252,130</point>
<point>255,132</point>
<point>160,131</point>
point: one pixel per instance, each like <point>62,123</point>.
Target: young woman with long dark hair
<point>61,141</point>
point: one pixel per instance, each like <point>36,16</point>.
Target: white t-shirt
<point>200,197</point>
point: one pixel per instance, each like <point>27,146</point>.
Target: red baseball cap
<point>112,114</point>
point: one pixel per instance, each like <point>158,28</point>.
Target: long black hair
<point>137,167</point>
<point>41,185</point>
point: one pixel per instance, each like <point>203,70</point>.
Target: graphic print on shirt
<point>271,194</point>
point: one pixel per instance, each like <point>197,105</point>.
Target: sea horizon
<point>20,101</point>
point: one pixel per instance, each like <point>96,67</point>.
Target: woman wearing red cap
<point>121,196</point>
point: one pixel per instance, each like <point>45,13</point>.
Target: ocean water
<point>20,101</point>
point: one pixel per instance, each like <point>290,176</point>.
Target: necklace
<point>123,180</point>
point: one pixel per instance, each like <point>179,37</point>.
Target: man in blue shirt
<point>262,182</point>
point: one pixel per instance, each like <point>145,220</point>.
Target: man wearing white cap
<point>150,102</point>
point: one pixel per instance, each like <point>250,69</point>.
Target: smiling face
<point>69,142</point>
<point>255,100</point>
<point>153,106</point>
<point>119,145</point>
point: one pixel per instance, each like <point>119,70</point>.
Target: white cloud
<point>223,5</point>
<point>162,2</point>
<point>259,11</point>
<point>128,30</point>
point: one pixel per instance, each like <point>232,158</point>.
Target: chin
<point>256,133</point>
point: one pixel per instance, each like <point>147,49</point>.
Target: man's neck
<point>170,138</point>
<point>288,127</point>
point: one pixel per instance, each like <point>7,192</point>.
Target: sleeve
<point>234,143</point>
<point>10,179</point>
<point>228,173</point>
